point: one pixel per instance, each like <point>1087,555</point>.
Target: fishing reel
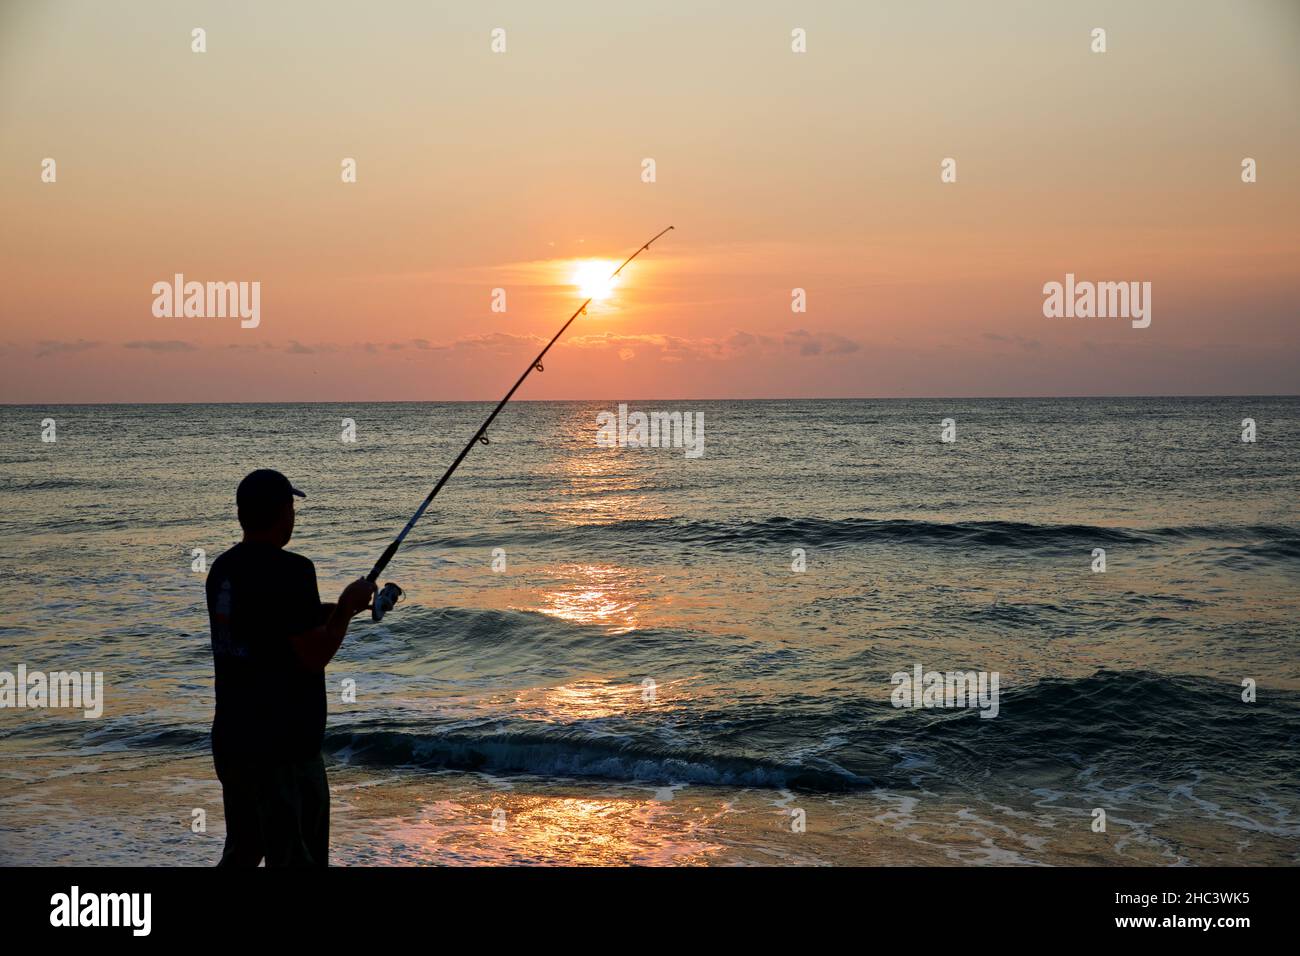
<point>384,601</point>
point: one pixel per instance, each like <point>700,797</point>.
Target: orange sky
<point>479,170</point>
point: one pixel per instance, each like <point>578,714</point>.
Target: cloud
<point>1029,345</point>
<point>297,348</point>
<point>740,341</point>
<point>499,341</point>
<point>51,347</point>
<point>161,345</point>
<point>668,348</point>
<point>675,348</point>
<point>419,345</point>
<point>819,343</point>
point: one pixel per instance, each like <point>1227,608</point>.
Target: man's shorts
<point>276,811</point>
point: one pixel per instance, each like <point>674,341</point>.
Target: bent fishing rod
<point>391,593</point>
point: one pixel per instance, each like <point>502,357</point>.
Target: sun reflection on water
<point>603,485</point>
<point>573,831</point>
<point>595,594</point>
<point>582,700</point>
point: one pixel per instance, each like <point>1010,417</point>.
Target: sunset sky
<point>478,170</point>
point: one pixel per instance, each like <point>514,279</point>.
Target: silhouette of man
<point>271,640</point>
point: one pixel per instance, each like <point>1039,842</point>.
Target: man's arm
<point>317,646</point>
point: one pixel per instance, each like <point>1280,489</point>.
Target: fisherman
<point>271,640</point>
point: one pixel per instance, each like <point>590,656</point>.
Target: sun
<point>592,277</point>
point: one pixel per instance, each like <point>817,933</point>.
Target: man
<point>271,640</point>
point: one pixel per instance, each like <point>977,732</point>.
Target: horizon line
<point>574,401</point>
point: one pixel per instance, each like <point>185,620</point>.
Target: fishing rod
<point>391,593</point>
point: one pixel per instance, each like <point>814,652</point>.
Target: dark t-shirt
<point>270,706</point>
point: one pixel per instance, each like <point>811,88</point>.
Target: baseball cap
<point>265,489</point>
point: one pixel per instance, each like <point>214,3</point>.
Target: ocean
<point>617,655</point>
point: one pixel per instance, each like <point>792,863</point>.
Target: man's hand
<point>317,647</point>
<point>356,597</point>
